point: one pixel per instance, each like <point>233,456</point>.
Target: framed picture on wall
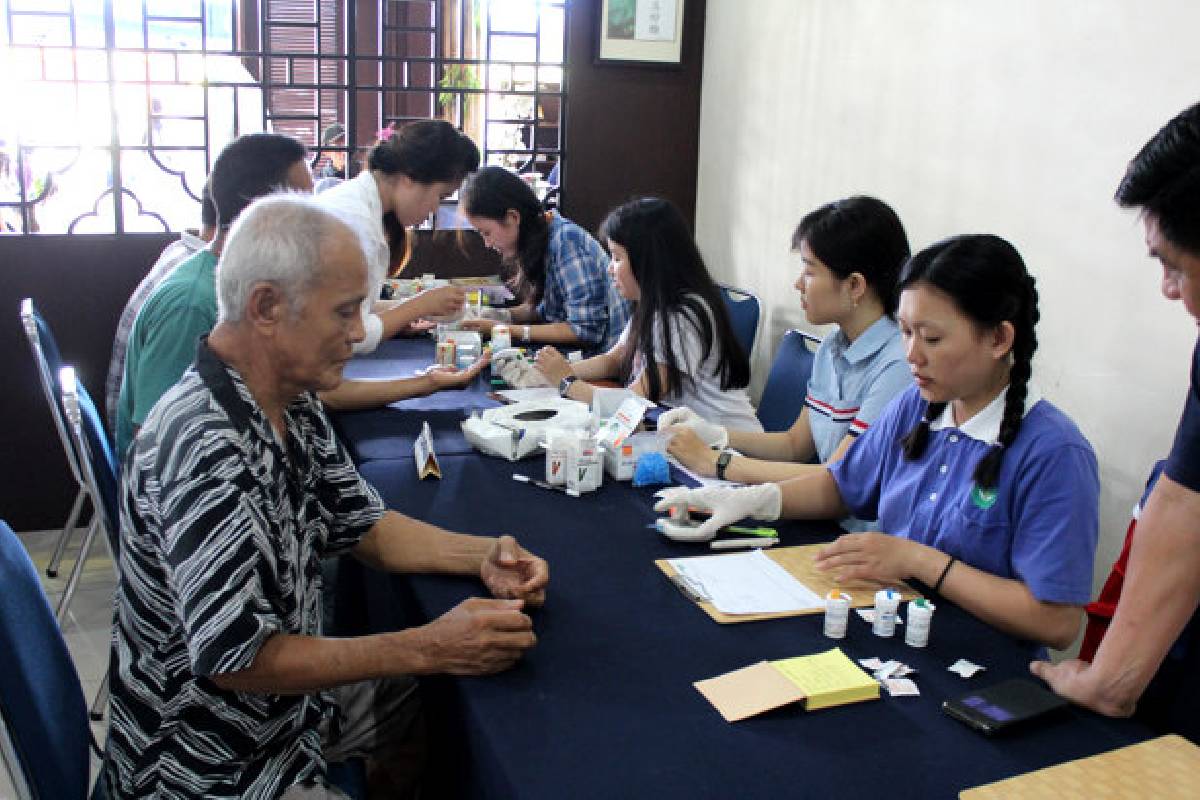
<point>640,32</point>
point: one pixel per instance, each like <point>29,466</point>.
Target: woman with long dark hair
<point>679,348</point>
<point>408,175</point>
<point>983,491</point>
<point>851,253</point>
<point>559,269</point>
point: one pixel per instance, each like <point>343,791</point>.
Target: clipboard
<point>1167,767</point>
<point>798,562</point>
<point>425,457</point>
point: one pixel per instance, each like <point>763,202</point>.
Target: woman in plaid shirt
<point>561,273</point>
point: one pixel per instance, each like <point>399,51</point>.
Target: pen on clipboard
<point>690,589</point>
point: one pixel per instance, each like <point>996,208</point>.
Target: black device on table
<point>1003,706</point>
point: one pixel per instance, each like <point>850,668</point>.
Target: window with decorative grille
<point>115,109</point>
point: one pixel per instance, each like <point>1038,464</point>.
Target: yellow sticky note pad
<point>828,679</point>
<point>819,681</point>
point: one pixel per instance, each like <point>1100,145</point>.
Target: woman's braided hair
<point>987,280</point>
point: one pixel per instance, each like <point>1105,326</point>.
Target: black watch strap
<point>723,462</point>
<point>564,385</point>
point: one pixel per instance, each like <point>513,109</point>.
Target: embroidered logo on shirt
<point>983,498</point>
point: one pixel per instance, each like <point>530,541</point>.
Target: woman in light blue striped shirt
<point>852,251</point>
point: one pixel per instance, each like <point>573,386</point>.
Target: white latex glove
<point>498,314</point>
<point>711,434</point>
<point>727,504</point>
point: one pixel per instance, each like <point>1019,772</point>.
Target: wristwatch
<point>564,385</point>
<point>723,462</point>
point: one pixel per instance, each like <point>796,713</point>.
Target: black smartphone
<point>998,708</point>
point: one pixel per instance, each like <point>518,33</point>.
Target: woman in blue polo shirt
<point>983,491</point>
<point>851,251</point>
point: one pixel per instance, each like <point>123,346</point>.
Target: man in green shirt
<point>162,344</point>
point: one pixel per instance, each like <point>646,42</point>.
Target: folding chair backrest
<point>97,460</point>
<point>41,701</point>
<point>743,313</point>
<point>48,361</point>
<point>787,382</point>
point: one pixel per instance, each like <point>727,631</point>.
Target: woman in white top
<point>408,175</point>
<point>679,347</point>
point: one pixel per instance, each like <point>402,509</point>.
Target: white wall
<point>1015,117</point>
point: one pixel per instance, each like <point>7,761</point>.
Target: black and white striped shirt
<point>221,541</point>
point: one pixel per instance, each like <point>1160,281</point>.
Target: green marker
<point>771,532</point>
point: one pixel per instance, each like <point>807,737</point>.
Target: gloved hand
<point>727,504</point>
<point>497,314</point>
<point>517,372</point>
<point>713,435</point>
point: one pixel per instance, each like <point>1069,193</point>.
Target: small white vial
<point>501,338</point>
<point>918,622</point>
<point>558,448</point>
<point>585,467</point>
<point>887,603</point>
<point>837,614</point>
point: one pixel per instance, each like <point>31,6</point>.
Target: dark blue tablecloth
<point>390,432</point>
<point>604,706</point>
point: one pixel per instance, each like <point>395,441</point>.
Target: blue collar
<point>870,342</point>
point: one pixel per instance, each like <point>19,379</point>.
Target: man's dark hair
<point>208,209</point>
<point>1163,179</point>
<point>249,167</point>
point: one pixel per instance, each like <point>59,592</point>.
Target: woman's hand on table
<point>444,377</point>
<point>478,324</point>
<point>710,433</point>
<point>691,451</point>
<point>552,364</point>
<point>512,572</point>
<point>873,556</point>
<point>417,327</point>
<point>444,301</point>
<point>726,504</point>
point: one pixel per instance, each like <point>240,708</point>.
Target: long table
<point>604,705</point>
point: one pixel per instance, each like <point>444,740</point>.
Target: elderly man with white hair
<point>233,491</point>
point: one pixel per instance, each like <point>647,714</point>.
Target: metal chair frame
<point>32,321</point>
<point>74,395</point>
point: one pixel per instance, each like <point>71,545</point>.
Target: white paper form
<point>745,583</point>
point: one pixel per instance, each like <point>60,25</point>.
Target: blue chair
<point>743,313</point>
<point>100,477</point>
<point>48,360</point>
<point>44,733</point>
<point>787,382</point>
<point>98,461</point>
